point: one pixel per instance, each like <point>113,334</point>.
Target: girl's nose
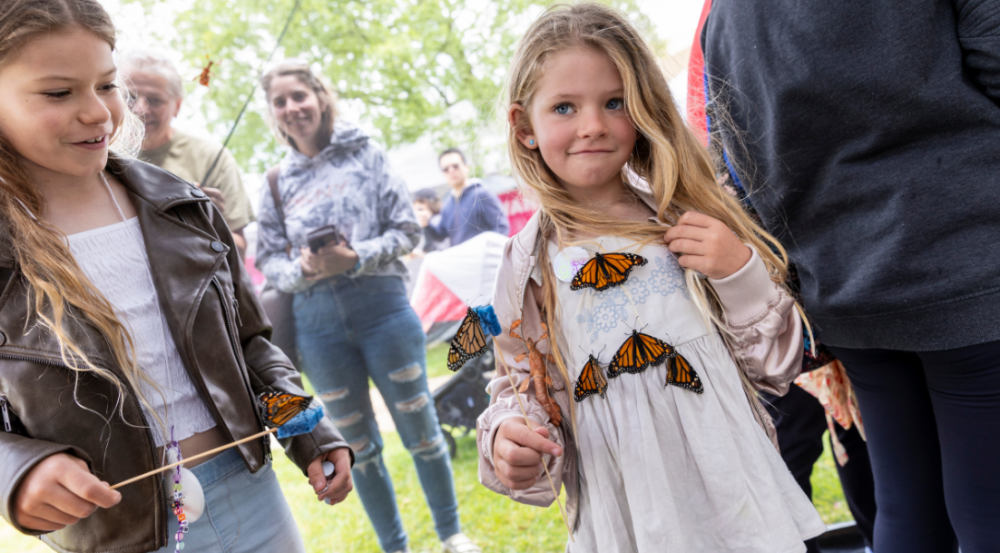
<point>93,110</point>
<point>592,124</point>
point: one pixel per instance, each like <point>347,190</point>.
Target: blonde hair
<point>301,71</point>
<point>61,294</point>
<point>679,171</point>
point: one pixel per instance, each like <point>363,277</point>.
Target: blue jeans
<point>347,331</point>
<point>243,512</point>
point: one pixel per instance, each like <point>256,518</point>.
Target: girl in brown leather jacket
<point>126,321</point>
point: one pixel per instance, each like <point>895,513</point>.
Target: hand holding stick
<point>289,415</point>
<point>524,413</point>
<point>202,455</point>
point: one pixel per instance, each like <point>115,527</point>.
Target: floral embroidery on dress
<point>667,277</point>
<point>606,313</point>
<point>611,306</point>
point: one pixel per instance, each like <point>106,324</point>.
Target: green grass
<point>828,497</point>
<point>498,524</point>
<point>437,361</point>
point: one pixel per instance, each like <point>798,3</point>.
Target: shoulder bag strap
<point>272,183</point>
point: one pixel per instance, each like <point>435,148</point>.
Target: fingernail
<point>556,451</point>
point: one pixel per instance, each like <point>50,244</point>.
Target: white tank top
<point>114,259</point>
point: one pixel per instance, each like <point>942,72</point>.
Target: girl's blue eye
<point>615,103</point>
<point>562,109</point>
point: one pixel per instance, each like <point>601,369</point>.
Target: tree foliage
<point>412,67</point>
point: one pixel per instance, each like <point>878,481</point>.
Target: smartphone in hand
<point>323,236</point>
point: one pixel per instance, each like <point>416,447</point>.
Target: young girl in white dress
<point>650,299</point>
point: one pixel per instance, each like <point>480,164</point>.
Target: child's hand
<point>517,453</point>
<point>335,490</point>
<point>58,492</point>
<point>707,245</point>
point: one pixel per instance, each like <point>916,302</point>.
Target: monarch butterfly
<point>638,352</point>
<point>591,381</point>
<point>469,342</point>
<point>681,374</point>
<point>206,73</point>
<point>606,270</point>
<point>277,408</point>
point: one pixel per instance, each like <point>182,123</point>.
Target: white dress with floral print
<point>664,469</point>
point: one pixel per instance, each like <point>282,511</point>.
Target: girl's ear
<point>517,116</point>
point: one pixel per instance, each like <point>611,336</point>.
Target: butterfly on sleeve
<point>277,408</point>
<point>470,340</point>
<point>606,270</point>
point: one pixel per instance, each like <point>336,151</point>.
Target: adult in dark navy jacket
<point>872,130</point>
<point>469,209</point>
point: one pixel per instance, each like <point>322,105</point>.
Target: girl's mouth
<point>97,143</point>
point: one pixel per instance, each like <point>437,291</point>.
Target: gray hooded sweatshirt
<point>348,184</point>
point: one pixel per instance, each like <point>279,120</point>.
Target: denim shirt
<point>348,184</point>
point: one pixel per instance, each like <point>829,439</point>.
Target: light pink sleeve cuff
<point>747,293</point>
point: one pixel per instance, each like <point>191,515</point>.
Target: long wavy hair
<point>678,170</point>
<point>60,293</point>
<point>305,75</point>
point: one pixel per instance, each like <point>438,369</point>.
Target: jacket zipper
<point>236,312</point>
<point>6,415</point>
<point>234,344</point>
<point>131,394</point>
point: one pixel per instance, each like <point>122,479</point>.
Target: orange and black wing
<point>591,381</point>
<point>680,373</point>
<point>277,408</point>
<point>469,342</point>
<point>637,353</point>
<point>606,270</point>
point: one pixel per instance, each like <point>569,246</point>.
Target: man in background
<point>156,91</point>
<point>469,210</point>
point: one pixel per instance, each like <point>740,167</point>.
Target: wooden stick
<point>528,423</point>
<point>195,458</point>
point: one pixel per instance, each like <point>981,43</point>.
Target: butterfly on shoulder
<point>277,408</point>
<point>470,340</point>
<point>680,373</point>
<point>606,270</point>
<point>637,353</point>
<point>591,381</point>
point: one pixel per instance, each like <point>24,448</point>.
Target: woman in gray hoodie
<point>352,318</point>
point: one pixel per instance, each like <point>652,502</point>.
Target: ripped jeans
<point>349,330</point>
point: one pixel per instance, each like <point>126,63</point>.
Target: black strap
<point>272,183</point>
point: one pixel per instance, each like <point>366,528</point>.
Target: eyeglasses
<point>450,168</point>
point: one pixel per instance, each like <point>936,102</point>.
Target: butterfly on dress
<point>680,373</point>
<point>470,340</point>
<point>640,351</point>
<point>606,270</point>
<point>591,381</point>
<point>277,408</point>
<point>637,353</point>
